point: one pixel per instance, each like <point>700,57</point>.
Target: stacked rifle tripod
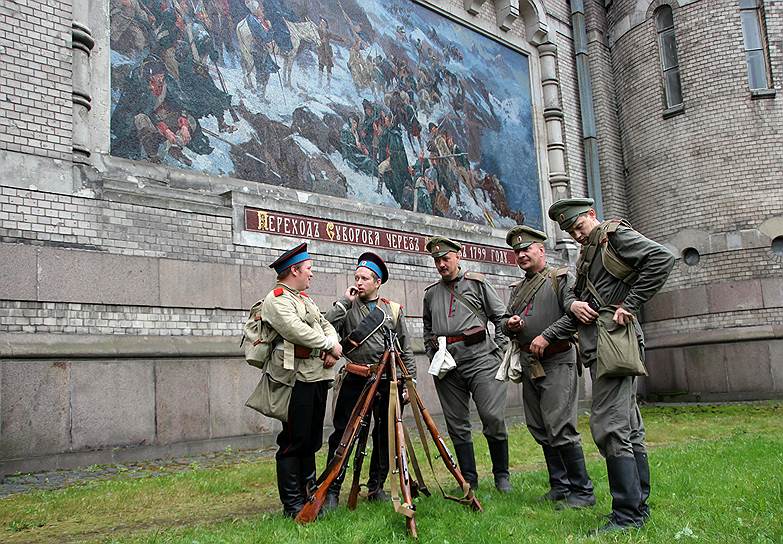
<point>400,448</point>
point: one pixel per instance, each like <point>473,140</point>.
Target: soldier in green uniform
<point>618,270</point>
<point>537,315</point>
<point>455,314</point>
<point>351,317</point>
<point>308,346</point>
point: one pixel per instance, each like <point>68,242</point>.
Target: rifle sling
<point>470,306</point>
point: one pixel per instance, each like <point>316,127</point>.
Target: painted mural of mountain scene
<point>380,101</point>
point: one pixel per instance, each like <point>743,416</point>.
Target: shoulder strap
<point>554,277</point>
<point>395,311</point>
<point>528,291</point>
<point>470,306</point>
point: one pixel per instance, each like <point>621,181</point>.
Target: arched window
<point>664,23</point>
<point>755,44</point>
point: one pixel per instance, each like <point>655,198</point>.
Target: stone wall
<point>705,179</point>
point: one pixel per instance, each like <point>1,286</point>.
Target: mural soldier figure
<point>537,312</point>
<point>455,315</point>
<point>324,51</point>
<point>304,356</point>
<point>359,318</point>
<point>618,271</point>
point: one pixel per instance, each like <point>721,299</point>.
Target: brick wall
<point>35,78</point>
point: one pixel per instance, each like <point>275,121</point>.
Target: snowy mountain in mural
<point>382,102</point>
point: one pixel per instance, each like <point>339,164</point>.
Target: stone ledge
<point>68,346</point>
<point>695,338</point>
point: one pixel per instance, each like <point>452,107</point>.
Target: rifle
<point>358,461</point>
<point>337,465</point>
<point>406,506</point>
<point>469,498</point>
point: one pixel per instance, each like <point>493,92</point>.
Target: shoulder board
<point>385,300</point>
<point>432,285</point>
<point>305,295</point>
<point>562,271</point>
<point>279,291</point>
<point>475,276</point>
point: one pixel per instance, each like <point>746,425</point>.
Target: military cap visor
<point>290,258</point>
<point>522,236</point>
<point>567,210</point>
<point>438,246</point>
<point>373,262</point>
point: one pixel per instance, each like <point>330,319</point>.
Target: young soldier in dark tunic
<point>537,314</point>
<point>624,269</point>
<point>311,343</point>
<point>458,307</point>
<point>346,315</point>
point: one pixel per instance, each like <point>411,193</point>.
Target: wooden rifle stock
<point>315,502</point>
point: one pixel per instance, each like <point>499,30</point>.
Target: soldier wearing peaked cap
<point>618,270</point>
<point>358,317</point>
<point>455,314</point>
<point>541,333</point>
<point>307,348</point>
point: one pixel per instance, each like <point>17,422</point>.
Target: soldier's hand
<point>515,323</point>
<point>330,361</point>
<point>538,345</point>
<point>583,312</point>
<point>351,293</point>
<point>337,351</point>
<point>622,317</point>
<point>405,397</point>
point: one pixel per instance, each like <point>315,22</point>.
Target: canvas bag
<point>617,350</point>
<point>272,395</point>
<point>258,338</point>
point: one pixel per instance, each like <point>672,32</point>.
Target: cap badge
<point>561,217</point>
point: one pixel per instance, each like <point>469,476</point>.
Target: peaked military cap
<point>375,263</point>
<point>438,246</point>
<point>290,258</point>
<point>566,211</point>
<point>521,236</point>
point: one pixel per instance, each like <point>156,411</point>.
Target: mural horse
<point>305,31</point>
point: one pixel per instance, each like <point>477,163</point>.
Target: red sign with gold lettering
<point>300,226</point>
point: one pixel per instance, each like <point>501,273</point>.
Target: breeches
<point>615,420</point>
<point>550,405</point>
<point>489,395</point>
<point>302,434</point>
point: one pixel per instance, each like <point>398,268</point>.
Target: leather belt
<point>303,352</point>
<point>552,349</point>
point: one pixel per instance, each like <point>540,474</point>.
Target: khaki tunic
<point>550,402</point>
<point>445,315</point>
<point>297,319</point>
<point>615,420</point>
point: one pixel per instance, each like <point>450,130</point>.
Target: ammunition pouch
<point>474,335</point>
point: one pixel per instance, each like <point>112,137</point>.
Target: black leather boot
<point>332,500</point>
<point>498,452</point>
<point>580,487</point>
<point>558,478</point>
<point>308,476</point>
<point>626,494</point>
<point>643,468</point>
<point>289,486</point>
<point>467,463</point>
<point>379,471</point>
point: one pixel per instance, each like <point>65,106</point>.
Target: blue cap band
<point>294,259</point>
<point>372,266</point>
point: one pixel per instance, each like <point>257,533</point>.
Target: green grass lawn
<point>717,476</point>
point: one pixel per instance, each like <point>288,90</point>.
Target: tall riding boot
<point>308,476</point>
<point>580,488</point>
<point>626,494</point>
<point>379,470</point>
<point>498,452</point>
<point>467,463</point>
<point>288,485</point>
<point>558,477</point>
<point>643,468</point>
